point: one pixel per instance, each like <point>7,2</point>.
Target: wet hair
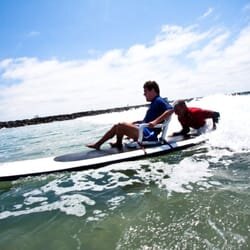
<point>152,85</point>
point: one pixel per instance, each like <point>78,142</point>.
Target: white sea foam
<point>68,191</point>
<point>70,204</point>
<point>115,202</point>
<point>233,130</point>
<point>171,177</point>
<point>232,136</point>
<point>187,172</point>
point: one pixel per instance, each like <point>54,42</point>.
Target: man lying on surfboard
<point>158,111</point>
<point>193,117</point>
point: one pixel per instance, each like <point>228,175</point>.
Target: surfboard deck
<point>91,159</point>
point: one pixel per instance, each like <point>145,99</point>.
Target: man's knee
<point>122,127</point>
<point>118,127</point>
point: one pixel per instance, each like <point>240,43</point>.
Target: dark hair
<point>152,85</point>
<point>179,103</point>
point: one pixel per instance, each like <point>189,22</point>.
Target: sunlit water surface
<point>197,198</point>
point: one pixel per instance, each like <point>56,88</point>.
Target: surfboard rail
<point>90,159</point>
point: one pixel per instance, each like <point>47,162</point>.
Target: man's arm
<point>161,118</point>
<point>215,118</point>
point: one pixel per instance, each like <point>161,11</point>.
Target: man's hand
<point>152,124</point>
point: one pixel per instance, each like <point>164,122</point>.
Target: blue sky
<point>75,29</point>
<point>64,56</point>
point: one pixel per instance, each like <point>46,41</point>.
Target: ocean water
<point>198,198</point>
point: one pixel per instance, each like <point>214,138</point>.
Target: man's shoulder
<point>161,100</point>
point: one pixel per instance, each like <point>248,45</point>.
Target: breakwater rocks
<point>47,119</point>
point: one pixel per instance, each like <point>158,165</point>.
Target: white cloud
<point>213,49</point>
<point>246,7</point>
<point>183,60</point>
<point>207,13</point>
<point>33,34</point>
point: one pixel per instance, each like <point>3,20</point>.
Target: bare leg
<point>119,130</point>
<point>128,129</point>
<point>111,133</point>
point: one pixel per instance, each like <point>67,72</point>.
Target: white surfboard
<point>90,159</point>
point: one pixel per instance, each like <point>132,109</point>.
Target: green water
<point>198,198</point>
<point>129,209</point>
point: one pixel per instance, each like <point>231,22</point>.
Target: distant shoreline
<point>64,117</point>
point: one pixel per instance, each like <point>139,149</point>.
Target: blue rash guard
<point>157,107</point>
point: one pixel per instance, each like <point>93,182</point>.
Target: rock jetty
<point>63,117</point>
<point>47,119</point>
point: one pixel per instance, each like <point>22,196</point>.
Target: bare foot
<point>93,146</point>
<point>115,145</point>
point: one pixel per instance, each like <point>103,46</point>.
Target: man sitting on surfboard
<point>158,111</point>
<point>193,117</point>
